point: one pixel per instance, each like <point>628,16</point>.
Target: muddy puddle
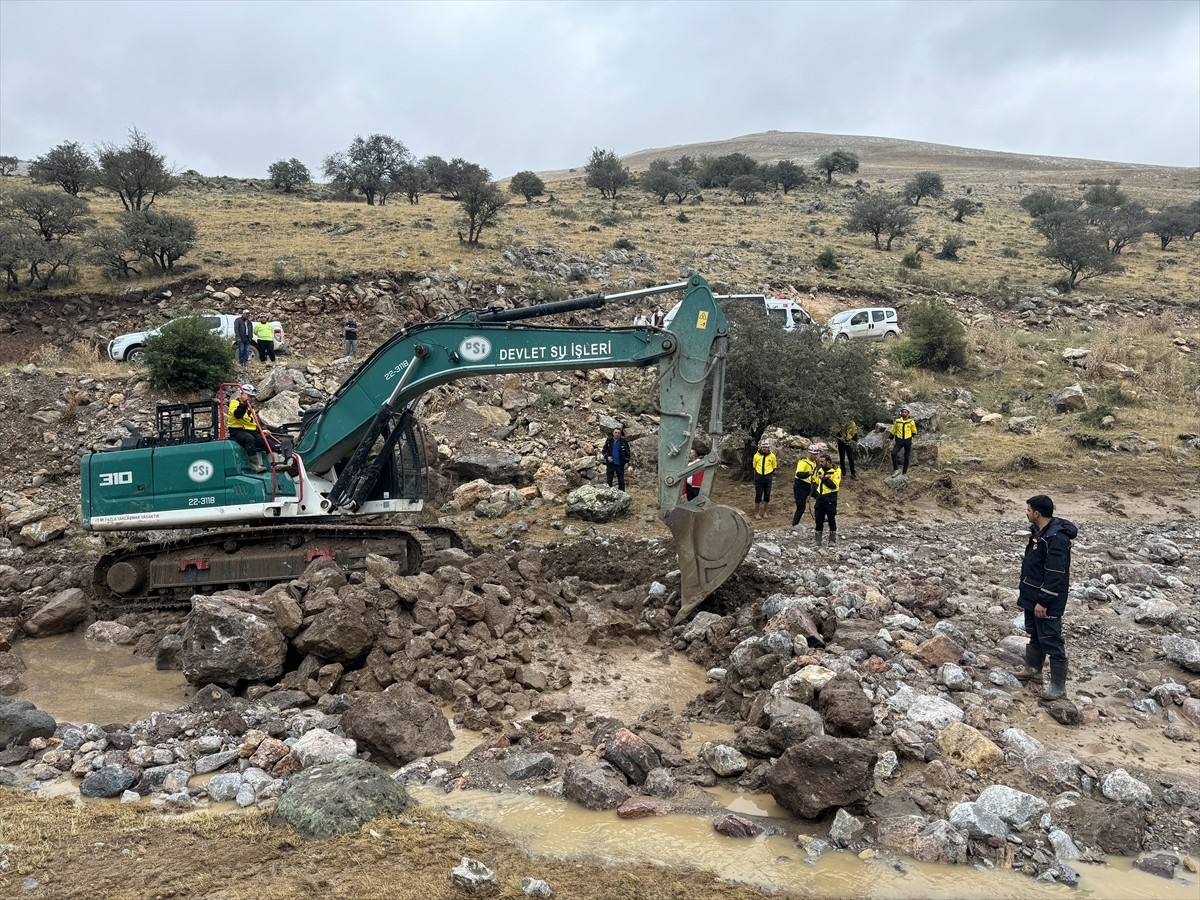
<point>80,681</point>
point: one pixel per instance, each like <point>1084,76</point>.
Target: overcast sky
<point>226,88</point>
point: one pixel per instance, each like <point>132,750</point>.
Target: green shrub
<point>912,259</point>
<point>827,259</point>
<point>185,356</point>
<point>547,396</point>
<point>624,244</point>
<point>936,339</point>
<point>1096,415</point>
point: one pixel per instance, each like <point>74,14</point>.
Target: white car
<point>876,323</point>
<point>790,314</point>
<point>131,347</point>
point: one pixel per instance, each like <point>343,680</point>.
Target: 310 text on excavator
<point>595,350</point>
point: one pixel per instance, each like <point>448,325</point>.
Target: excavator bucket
<point>711,540</point>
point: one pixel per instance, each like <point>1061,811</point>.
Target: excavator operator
<point>243,428</point>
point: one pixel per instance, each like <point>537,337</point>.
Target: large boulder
<point>632,755</point>
<point>845,708</point>
<point>279,410</point>
<point>225,643</point>
<point>338,798</point>
<point>966,748</point>
<point>338,634</point>
<point>60,614</point>
<point>21,722</point>
<point>400,724</point>
<point>594,786</point>
<point>598,504</point>
<point>493,466</point>
<point>822,773</point>
<point>1182,651</point>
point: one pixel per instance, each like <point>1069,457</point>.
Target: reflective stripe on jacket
<point>239,416</point>
<point>827,481</point>
<point>805,469</point>
<point>903,428</point>
<point>764,465</point>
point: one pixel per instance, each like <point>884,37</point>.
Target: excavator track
<point>163,575</point>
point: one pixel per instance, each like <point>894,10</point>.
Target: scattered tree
<point>109,248</point>
<point>185,356</point>
<point>412,180</point>
<point>881,214</point>
<point>1122,226</point>
<point>837,161</point>
<point>441,178</point>
<point>8,165</point>
<point>747,187</point>
<point>785,174</point>
<point>136,172</point>
<point>1105,195</point>
<point>481,201</point>
<point>41,235</point>
<point>158,236</point>
<point>68,165</point>
<point>924,184</point>
<point>935,339</point>
<point>660,181</point>
<point>963,207</point>
<point>841,373</point>
<point>1042,203</point>
<point>1081,250</point>
<point>288,174</point>
<point>527,184</point>
<point>951,244</point>
<point>721,171</point>
<point>1173,222</point>
<point>368,167</point>
<point>607,173</point>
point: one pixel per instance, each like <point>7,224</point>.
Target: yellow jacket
<point>244,420</point>
<point>263,331</point>
<point>805,469</point>
<point>764,465</point>
<point>827,481</point>
<point>903,428</point>
<point>847,432</point>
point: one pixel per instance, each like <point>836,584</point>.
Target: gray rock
<point>1161,550</point>
<point>224,644</point>
<point>522,766</point>
<point>108,781</point>
<point>473,876</point>
<point>214,761</point>
<point>535,887</point>
<point>493,466</point>
<point>845,828</point>
<point>60,614</point>
<point>1004,678</point>
<point>1182,651</point>
<point>1054,768</point>
<point>1064,847</point>
<point>223,788</point>
<point>21,722</point>
<point>594,787</point>
<point>338,798</point>
<point>1009,805</point>
<point>976,822</point>
<point>598,504</point>
<point>886,767</point>
<point>723,759</point>
<point>1018,740</point>
<point>400,724</point>
<point>317,746</point>
<point>1120,785</point>
<point>954,677</point>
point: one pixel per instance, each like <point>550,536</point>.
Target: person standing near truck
<point>350,333</point>
<point>264,336</point>
<point>243,333</point>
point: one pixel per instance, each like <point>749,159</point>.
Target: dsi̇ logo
<point>475,348</point>
<point>200,470</point>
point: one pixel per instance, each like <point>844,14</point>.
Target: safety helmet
<point>249,390</point>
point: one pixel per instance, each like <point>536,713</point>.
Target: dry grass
<point>104,850</point>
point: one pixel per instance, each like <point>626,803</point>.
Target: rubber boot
<point>758,510</point>
<point>796,519</point>
<point>1058,681</point>
<point>833,537</point>
<point>817,538</point>
<point>766,510</point>
<point>1035,659</point>
<point>256,463</point>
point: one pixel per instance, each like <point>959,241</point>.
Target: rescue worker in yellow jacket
<point>903,431</point>
<point>826,482</point>
<point>243,428</point>
<point>264,336</point>
<point>847,434</point>
<point>764,463</point>
<point>802,484</point>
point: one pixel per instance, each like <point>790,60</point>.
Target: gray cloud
<point>227,88</point>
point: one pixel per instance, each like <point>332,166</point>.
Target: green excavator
<point>361,454</point>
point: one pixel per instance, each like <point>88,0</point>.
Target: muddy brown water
<point>81,681</point>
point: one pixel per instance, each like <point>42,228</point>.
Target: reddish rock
<point>939,650</point>
<point>641,807</point>
<point>732,825</point>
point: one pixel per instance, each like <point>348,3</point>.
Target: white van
<point>790,314</point>
<point>876,323</point>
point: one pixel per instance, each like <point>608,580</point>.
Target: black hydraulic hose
<point>591,301</point>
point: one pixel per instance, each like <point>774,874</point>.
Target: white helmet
<point>249,390</point>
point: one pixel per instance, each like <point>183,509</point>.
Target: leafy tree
<point>185,356</point>
<point>527,184</point>
<point>158,236</point>
<point>288,174</point>
<point>881,214</point>
<point>412,180</point>
<point>1104,196</point>
<point>446,177</point>
<point>368,166</point>
<point>924,184</point>
<point>1081,250</point>
<point>935,338</point>
<point>951,244</point>
<point>785,174</point>
<point>686,187</point>
<point>1122,226</point>
<point>747,187</point>
<point>136,172</point>
<point>1173,222</point>
<point>607,173</point>
<point>840,374</point>
<point>837,161</point>
<point>68,165</point>
<point>963,207</point>
<point>1042,203</point>
<point>685,165</point>
<point>720,171</point>
<point>441,177</point>
<point>482,200</point>
<point>110,249</point>
<point>17,247</point>
<point>660,181</point>
<point>8,165</point>
<point>44,225</point>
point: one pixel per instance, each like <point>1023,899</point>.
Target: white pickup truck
<point>130,347</point>
<point>790,314</point>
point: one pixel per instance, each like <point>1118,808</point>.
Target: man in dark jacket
<point>1045,577</point>
<point>616,457</point>
<point>243,332</point>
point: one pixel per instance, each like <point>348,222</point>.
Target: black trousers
<point>899,444</point>
<point>800,490</point>
<point>1045,635</point>
<point>825,507</point>
<point>617,469</point>
<point>846,454</point>
<point>250,441</point>
<point>691,492</point>
<point>762,488</point>
<point>266,349</point>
